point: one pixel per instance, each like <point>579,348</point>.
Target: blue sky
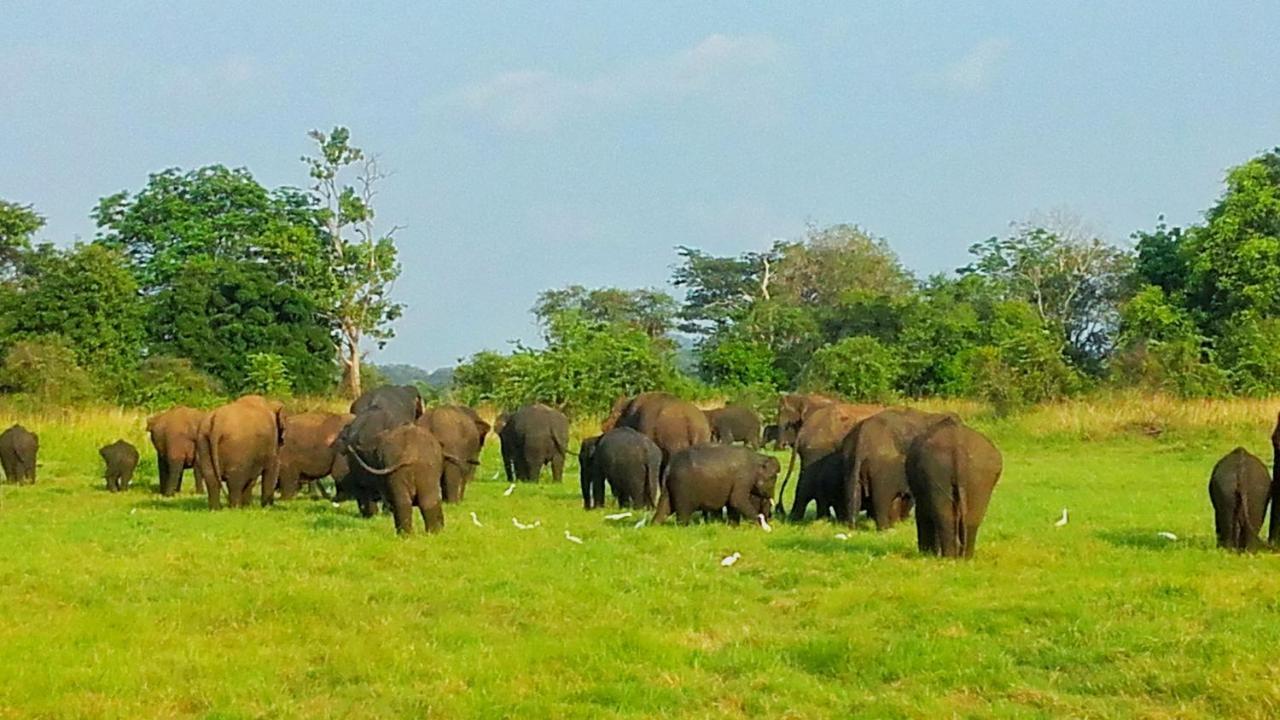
<point>541,144</point>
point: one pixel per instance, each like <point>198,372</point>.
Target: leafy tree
<point>165,381</point>
<point>718,290</point>
<point>1160,258</point>
<point>87,296</point>
<point>45,369</point>
<point>361,261</point>
<point>831,264</point>
<point>858,368</point>
<point>730,362</point>
<point>218,313</point>
<point>651,311</point>
<point>18,224</point>
<point>1018,362</point>
<point>267,374</point>
<point>1072,279</point>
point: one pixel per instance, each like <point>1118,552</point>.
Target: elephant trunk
<point>781,506</point>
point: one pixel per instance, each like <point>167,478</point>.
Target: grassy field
<point>135,606</point>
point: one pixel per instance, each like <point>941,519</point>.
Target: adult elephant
<point>534,436</point>
<point>239,443</point>
<point>173,435</point>
<point>309,451</point>
<point>716,478</point>
<point>403,402</point>
<point>874,461</point>
<point>1238,490</point>
<point>793,408</point>
<point>818,447</point>
<point>461,433</point>
<point>406,468</point>
<point>671,423</point>
<point>19,448</point>
<point>951,470</point>
<point>628,460</point>
<point>1273,535</point>
<point>735,423</point>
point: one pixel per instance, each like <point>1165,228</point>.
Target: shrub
<point>45,368</point>
<point>266,374</point>
<point>167,381</point>
<point>736,363</point>
<point>859,368</point>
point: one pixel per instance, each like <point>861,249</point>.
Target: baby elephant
<point>713,478</point>
<point>411,461</point>
<point>1238,490</point>
<point>18,449</point>
<point>121,459</point>
<point>628,460</point>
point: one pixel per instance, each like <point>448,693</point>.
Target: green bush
<point>167,381</point>
<point>736,363</point>
<point>858,368</point>
<point>45,369</point>
<point>1249,351</point>
<point>266,374</point>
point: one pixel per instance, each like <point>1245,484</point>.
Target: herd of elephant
<point>1240,490</point>
<point>655,451</point>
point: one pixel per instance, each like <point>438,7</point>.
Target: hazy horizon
<point>543,145</point>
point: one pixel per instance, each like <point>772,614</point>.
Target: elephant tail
<point>652,481</point>
<point>960,501</point>
<point>1241,530</point>
<point>460,462</point>
<point>782,493</point>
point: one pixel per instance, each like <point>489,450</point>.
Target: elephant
<point>1273,534</point>
<point>770,435</point>
<point>534,436</point>
<point>1239,488</point>
<point>461,433</point>
<point>793,408</point>
<point>821,469</point>
<point>874,462</point>
<point>404,402</point>
<point>715,478</point>
<point>357,447</point>
<point>238,443</point>
<point>628,460</point>
<point>951,471</point>
<point>735,423</point>
<point>308,453</point>
<point>18,450</point>
<point>121,459</point>
<point>671,423</point>
<point>406,471</point>
<point>173,435</point>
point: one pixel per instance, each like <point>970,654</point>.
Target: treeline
<point>1047,311</point>
<point>202,283</point>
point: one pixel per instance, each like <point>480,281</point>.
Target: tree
<point>651,311</point>
<point>18,224</point>
<point>362,263</point>
<point>834,263</point>
<point>858,368</point>
<point>719,289</point>
<point>1072,279</point>
<point>87,296</point>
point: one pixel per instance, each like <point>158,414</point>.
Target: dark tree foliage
<point>651,311</point>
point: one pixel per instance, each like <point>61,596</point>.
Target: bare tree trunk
<point>350,355</point>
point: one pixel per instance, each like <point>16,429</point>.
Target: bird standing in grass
<point>729,561</point>
<point>1062,520</point>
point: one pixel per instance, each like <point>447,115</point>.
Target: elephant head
<point>766,477</point>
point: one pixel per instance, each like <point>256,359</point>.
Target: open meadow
<point>132,605</point>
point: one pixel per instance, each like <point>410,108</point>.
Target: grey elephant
<point>716,478</point>
<point>817,444</point>
<point>671,423</point>
<point>19,449</point>
<point>532,437</point>
<point>239,443</point>
<point>628,460</point>
<point>1239,489</point>
<point>173,434</point>
<point>874,463</point>
<point>735,423</point>
<point>121,459</point>
<point>406,469</point>
<point>460,432</point>
<point>951,470</point>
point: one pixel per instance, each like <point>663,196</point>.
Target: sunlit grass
<point>133,606</point>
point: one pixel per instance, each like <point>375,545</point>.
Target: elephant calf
<point>1239,489</point>
<point>951,470</point>
<point>628,460</point>
<point>121,459</point>
<point>409,462</point>
<point>18,450</point>
<point>714,478</point>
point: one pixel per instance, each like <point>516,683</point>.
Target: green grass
<point>135,606</point>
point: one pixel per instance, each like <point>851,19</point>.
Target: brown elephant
<point>1238,489</point>
<point>308,452</point>
<point>532,437</point>
<point>460,432</point>
<point>18,450</point>
<point>671,423</point>
<point>874,462</point>
<point>121,458</point>
<point>406,471</point>
<point>951,470</point>
<point>1273,535</point>
<point>717,478</point>
<point>173,435</point>
<point>793,408</point>
<point>238,443</point>
<point>735,423</point>
<point>821,470</point>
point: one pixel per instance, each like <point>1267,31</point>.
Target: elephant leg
<point>804,494</point>
<point>235,493</point>
<point>213,488</point>
<point>451,483</point>
<point>925,533</point>
<point>884,504</point>
<point>199,478</point>
<point>401,505</point>
<point>663,511</point>
<point>270,480</point>
<point>291,481</point>
<point>585,483</point>
<point>946,528</point>
<point>508,464</point>
<point>597,488</point>
<point>430,508</point>
<point>368,502</point>
<point>557,467</point>
<point>167,480</point>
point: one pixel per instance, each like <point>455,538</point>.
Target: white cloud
<point>974,71</point>
<point>534,99</point>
